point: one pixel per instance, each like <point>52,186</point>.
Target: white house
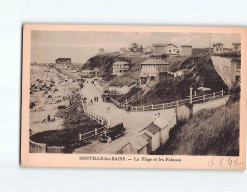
<point>120,67</point>
<point>218,48</point>
<point>172,50</point>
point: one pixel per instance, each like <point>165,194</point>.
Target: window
<point>238,66</point>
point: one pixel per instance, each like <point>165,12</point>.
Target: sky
<point>46,46</point>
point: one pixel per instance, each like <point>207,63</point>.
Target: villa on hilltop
<point>150,70</point>
<point>120,67</point>
<point>63,63</point>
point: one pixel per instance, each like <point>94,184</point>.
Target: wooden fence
<point>96,118</point>
<point>134,97</point>
<point>126,102</point>
<point>162,106</point>
<point>91,134</point>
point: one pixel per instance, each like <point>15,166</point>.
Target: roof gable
<point>152,128</point>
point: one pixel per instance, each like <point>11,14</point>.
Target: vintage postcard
<point>134,96</point>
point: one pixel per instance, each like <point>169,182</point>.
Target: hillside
<point>104,63</point>
<point>209,132</point>
<point>201,72</point>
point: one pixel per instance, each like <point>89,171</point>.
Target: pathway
<point>132,121</point>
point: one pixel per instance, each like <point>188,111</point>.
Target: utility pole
<point>108,117</point>
<point>191,94</point>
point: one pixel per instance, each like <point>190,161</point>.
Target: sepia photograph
<point>134,93</point>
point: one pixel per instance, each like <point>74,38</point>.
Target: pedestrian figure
<point>53,119</point>
<point>158,115</point>
<point>48,118</point>
<point>155,116</point>
<point>91,102</point>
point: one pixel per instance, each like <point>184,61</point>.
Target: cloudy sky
<point>46,46</point>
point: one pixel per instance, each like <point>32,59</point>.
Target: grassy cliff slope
<point>209,132</point>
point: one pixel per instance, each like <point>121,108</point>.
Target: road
<point>132,121</point>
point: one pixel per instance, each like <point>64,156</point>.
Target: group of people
<point>50,119</point>
<point>156,116</point>
<point>95,99</point>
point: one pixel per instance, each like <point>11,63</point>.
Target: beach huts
<point>184,112</point>
<point>151,137</point>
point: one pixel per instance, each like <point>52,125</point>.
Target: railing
<point>162,106</point>
<point>96,118</point>
<point>91,134</point>
<point>134,97</point>
<point>126,102</point>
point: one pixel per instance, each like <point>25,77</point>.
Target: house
<point>185,50</point>
<point>148,50</point>
<point>172,50</point>
<point>120,67</point>
<point>97,72</point>
<point>63,63</point>
<point>180,73</point>
<point>87,73</point>
<point>236,69</point>
<point>154,132</point>
<point>218,48</point>
<point>159,49</point>
<point>91,73</point>
<point>150,70</point>
<point>184,112</point>
<point>236,47</point>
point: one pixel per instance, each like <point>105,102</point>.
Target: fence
<point>125,103</point>
<point>91,134</point>
<point>162,106</point>
<point>96,118</point>
<point>35,147</point>
<point>134,97</point>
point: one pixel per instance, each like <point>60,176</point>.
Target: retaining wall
<point>36,147</point>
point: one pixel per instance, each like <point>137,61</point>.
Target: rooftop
<point>146,136</point>
<point>159,45</point>
<point>236,43</point>
<point>161,123</point>
<point>217,44</point>
<point>120,62</point>
<point>139,142</point>
<point>186,46</point>
<point>152,128</point>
